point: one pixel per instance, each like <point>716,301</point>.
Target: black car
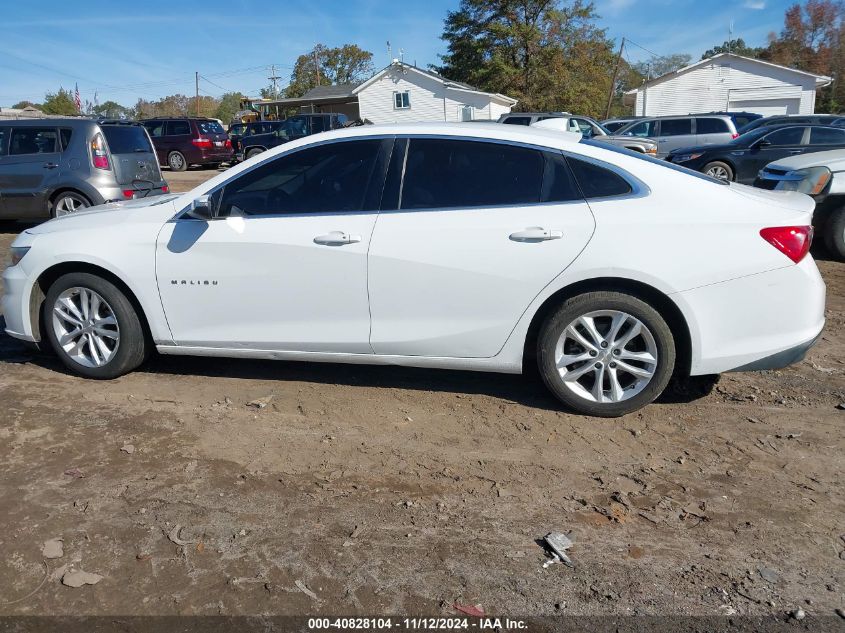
<point>290,129</point>
<point>794,119</point>
<point>742,158</point>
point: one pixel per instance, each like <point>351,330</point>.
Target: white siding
<point>729,84</point>
<point>430,100</point>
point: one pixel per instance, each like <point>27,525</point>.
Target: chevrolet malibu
<point>477,247</point>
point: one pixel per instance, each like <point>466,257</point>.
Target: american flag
<point>77,100</point>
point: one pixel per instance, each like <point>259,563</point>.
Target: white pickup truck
<point>822,176</point>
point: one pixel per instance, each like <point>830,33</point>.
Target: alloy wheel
<point>718,172</point>
<point>69,203</point>
<point>85,327</point>
<point>606,356</point>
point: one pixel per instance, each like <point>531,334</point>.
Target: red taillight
<point>734,135</point>
<point>99,156</point>
<point>165,189</point>
<point>228,143</point>
<point>792,241</point>
<point>202,142</point>
<point>128,193</point>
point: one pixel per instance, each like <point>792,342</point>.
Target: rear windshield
<point>210,127</point>
<point>126,139</point>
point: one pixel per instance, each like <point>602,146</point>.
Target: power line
<point>650,52</point>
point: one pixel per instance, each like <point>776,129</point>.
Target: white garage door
<point>767,107</point>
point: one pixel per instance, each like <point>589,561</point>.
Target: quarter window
<point>33,140</point>
<point>64,137</point>
<point>711,126</point>
<point>178,128</point>
<point>323,179</point>
<point>457,173</point>
<point>827,136</point>
<point>597,182</point>
<point>402,100</point>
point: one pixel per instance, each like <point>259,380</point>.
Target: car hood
<point>791,200</point>
<point>110,214</point>
<point>834,160</point>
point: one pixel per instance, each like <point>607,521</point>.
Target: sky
<point>121,51</point>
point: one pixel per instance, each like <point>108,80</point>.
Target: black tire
<point>834,234</point>
<point>60,205</point>
<point>255,151</point>
<point>176,161</point>
<point>214,165</point>
<point>557,322</point>
<point>131,349</point>
<point>717,165</point>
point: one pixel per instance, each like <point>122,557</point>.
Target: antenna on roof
<point>389,51</point>
<point>401,55</point>
<point>730,35</point>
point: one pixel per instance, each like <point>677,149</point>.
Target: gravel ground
<point>205,486</point>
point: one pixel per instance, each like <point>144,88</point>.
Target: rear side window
<point>787,136</point>
<point>597,182</point>
<point>711,126</point>
<point>178,128</point>
<point>319,124</point>
<point>827,136</point>
<point>518,120</point>
<point>558,182</point>
<point>675,127</point>
<point>456,173</point>
<point>33,140</point>
<point>210,127</point>
<point>155,128</point>
<point>126,139</point>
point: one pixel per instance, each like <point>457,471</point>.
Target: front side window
<point>597,182</point>
<point>443,173</point>
<point>827,136</point>
<point>178,128</point>
<point>641,129</point>
<point>328,178</point>
<point>711,126</point>
<point>787,136</point>
<point>587,129</point>
<point>33,140</point>
<point>675,127</point>
<point>402,100</point>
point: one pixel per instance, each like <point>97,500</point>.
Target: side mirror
<point>201,208</point>
<point>763,143</point>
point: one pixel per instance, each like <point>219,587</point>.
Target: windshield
<point>653,161</point>
<point>210,127</point>
<point>126,139</point>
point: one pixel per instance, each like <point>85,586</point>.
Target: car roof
<point>66,122</point>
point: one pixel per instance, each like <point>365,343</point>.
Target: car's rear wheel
<point>719,170</point>
<point>68,202</point>
<point>834,234</point>
<point>93,327</point>
<point>176,161</point>
<point>255,151</point>
<point>605,353</point>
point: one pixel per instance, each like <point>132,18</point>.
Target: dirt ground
<point>391,491</point>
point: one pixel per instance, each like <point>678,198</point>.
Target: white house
<point>401,93</point>
<point>728,82</point>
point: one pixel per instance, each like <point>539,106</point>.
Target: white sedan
<point>478,247</point>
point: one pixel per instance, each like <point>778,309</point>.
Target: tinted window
<point>711,126</point>
<point>741,120</point>
<point>126,139</point>
<point>826,136</point>
<point>518,120</point>
<point>332,177</point>
<point>597,182</point>
<point>155,128</point>
<point>236,129</point>
<point>4,140</point>
<point>641,129</point>
<point>612,126</point>
<point>210,127</point>
<point>178,128</point>
<point>786,136</point>
<point>64,137</point>
<point>675,127</point>
<point>33,140</point>
<point>319,124</point>
<point>558,182</point>
<point>456,173</point>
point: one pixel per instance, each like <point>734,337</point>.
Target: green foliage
<point>20,105</point>
<point>60,102</point>
<point>549,54</point>
<point>325,66</point>
<point>112,110</point>
<point>227,106</point>
<point>659,66</point>
<point>737,47</point>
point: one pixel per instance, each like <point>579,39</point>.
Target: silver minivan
<point>672,132</point>
<point>52,167</point>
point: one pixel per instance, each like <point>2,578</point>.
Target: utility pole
<point>197,86</point>
<point>273,78</point>
<point>645,87</point>
<point>613,81</point>
<point>316,67</point>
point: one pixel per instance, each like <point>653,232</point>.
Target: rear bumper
<point>781,359</point>
<point>115,194</point>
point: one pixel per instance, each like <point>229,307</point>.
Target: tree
<point>659,66</point>
<point>60,102</point>
<point>549,54</point>
<point>737,47</point>
<point>111,110</point>
<point>20,105</point>
<point>326,66</point>
<point>228,105</point>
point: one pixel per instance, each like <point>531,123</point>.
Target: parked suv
<point>682,131</point>
<point>181,142</point>
<point>51,167</point>
<point>292,128</point>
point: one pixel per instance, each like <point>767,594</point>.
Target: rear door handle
<point>536,234</point>
<point>50,165</point>
<point>336,238</point>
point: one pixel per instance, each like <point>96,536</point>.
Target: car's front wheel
<point>606,353</point>
<point>719,170</point>
<point>93,327</point>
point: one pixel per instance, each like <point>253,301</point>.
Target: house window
<point>402,100</point>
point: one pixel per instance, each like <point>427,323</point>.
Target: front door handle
<point>797,151</point>
<point>536,234</point>
<point>50,165</point>
<point>337,238</point>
